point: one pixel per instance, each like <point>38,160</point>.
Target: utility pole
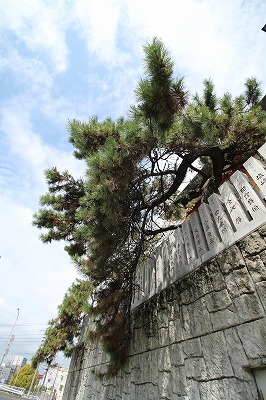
<point>9,340</point>
<point>32,381</point>
<point>43,380</point>
<point>53,389</point>
<point>7,347</point>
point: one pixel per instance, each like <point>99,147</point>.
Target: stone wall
<point>199,339</point>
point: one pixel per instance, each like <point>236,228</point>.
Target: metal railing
<point>12,389</point>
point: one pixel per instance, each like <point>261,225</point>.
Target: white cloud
<point>221,40</point>
<point>34,277</point>
<point>98,22</point>
<point>27,267</point>
<point>207,39</point>
<point>39,25</point>
<point>27,146</point>
<point>31,72</point>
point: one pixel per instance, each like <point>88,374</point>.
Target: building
<point>54,382</point>
<point>6,372</point>
<point>18,361</point>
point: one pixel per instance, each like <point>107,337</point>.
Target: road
<point>6,396</point>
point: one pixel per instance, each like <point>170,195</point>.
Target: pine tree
<point>133,193</point>
<point>65,328</point>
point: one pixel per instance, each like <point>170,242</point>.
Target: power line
<point>31,324</point>
<point>21,336</point>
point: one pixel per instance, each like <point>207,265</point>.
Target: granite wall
<point>199,339</point>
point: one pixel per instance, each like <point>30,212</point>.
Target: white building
<point>54,381</point>
<point>6,372</point>
<point>18,361</point>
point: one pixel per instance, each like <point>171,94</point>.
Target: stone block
<point>257,267</point>
<point>177,397</point>
<point>163,318</point>
<point>137,321</point>
<point>252,336</point>
<point>135,361</point>
<point>153,342</point>
<point>216,356</point>
<point>147,367</point>
<point>193,389</point>
<point>262,230</point>
<point>224,318</point>
<point>200,282</point>
<point>144,341</point>
<point>212,390</point>
<point>138,392</point>
<point>185,322</point>
<point>199,319</point>
<point>151,327</point>
<point>186,297</point>
<point>136,336</point>
<point>164,360</point>
<point>165,385</point>
<point>231,285</point>
<point>237,354</point>
<point>216,276</point>
<point>217,300</point>
<point>135,375</point>
<point>154,366</point>
<point>192,348</point>
<point>243,281</point>
<point>248,307</point>
<point>126,396</point>
<point>152,392</point>
<point>239,390</point>
<point>263,257</point>
<point>126,385</point>
<point>252,244</point>
<point>176,354</point>
<point>175,331</point>
<point>261,291</point>
<point>179,382</point>
<point>163,334</point>
<point>230,259</point>
<point>170,293</point>
<point>174,311</point>
<point>195,368</point>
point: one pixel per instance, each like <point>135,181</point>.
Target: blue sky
<point>75,59</point>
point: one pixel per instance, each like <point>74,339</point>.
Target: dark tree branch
<point>218,161</point>
<point>181,173</point>
<point>150,232</point>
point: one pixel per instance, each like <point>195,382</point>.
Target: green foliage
<point>62,331</point>
<point>24,377</point>
<point>159,96</point>
<point>131,193</point>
